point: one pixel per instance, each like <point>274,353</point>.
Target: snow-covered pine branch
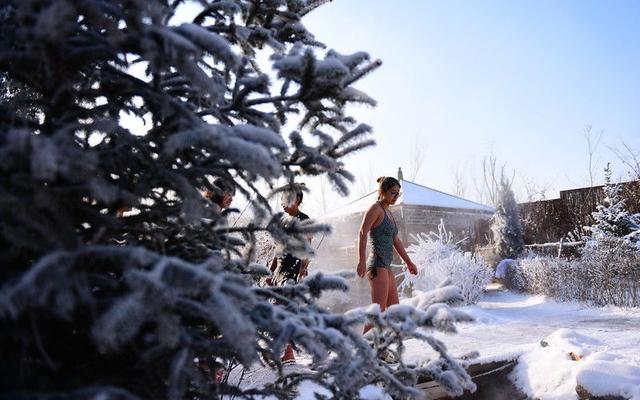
<point>117,272</point>
<point>613,224</point>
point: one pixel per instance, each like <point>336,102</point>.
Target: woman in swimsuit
<point>380,226</point>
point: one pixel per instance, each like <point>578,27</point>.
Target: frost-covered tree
<point>612,219</point>
<point>505,224</point>
<point>116,272</point>
<point>440,260</point>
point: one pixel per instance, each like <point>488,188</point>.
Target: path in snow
<point>509,325</point>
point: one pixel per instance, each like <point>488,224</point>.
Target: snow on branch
<point>118,273</point>
<point>440,260</point>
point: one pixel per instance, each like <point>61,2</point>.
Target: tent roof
<point>412,194</point>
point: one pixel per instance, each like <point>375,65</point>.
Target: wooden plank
<point>433,390</point>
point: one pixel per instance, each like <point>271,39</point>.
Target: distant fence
<point>488,254</point>
<point>557,249</point>
<point>568,249</point>
<point>610,277</point>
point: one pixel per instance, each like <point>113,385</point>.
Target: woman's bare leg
<point>392,294</point>
<point>379,291</point>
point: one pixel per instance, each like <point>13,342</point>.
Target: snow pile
<point>306,389</point>
<point>567,359</point>
<point>439,259</point>
<point>512,326</point>
<point>601,377</point>
<point>309,390</point>
<point>373,393</point>
<point>422,300</point>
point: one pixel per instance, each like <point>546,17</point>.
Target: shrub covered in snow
<point>505,224</point>
<point>598,278</point>
<point>608,271</point>
<point>439,259</point>
<point>542,275</point>
<point>614,225</point>
<point>116,272</point>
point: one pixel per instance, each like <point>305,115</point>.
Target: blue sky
<point>462,80</point>
<point>517,79</point>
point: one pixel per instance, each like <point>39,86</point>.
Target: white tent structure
<point>412,194</point>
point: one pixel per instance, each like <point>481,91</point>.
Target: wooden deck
<point>491,381</point>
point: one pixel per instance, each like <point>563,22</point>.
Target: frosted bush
<point>608,271</point>
<point>600,277</point>
<point>544,275</point>
<point>439,259</point>
<point>614,224</point>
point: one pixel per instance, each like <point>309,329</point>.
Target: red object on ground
<point>288,356</point>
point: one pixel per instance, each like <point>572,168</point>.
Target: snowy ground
<point>507,324</point>
<point>607,341</point>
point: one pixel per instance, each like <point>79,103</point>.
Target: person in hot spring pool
<point>380,228</point>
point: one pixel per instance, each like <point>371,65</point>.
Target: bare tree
<point>630,157</point>
<point>365,183</point>
<point>492,175</point>
<point>460,180</point>
<point>593,142</point>
<point>531,190</point>
<point>416,157</point>
<point>487,184</point>
<point>490,178</point>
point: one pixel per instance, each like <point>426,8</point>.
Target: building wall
<point>551,220</point>
<point>463,224</point>
<point>544,221</point>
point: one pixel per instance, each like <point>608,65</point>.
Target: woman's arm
<point>397,244</point>
<point>372,215</point>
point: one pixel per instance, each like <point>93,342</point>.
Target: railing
<point>573,245</point>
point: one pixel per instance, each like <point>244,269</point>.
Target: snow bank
<point>373,393</point>
<point>601,378</point>
<point>566,359</point>
<point>509,326</point>
<point>308,390</point>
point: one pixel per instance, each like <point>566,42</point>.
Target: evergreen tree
<point>505,225</point>
<point>612,219</point>
<point>94,301</point>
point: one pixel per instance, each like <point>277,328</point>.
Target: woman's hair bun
<point>379,180</point>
